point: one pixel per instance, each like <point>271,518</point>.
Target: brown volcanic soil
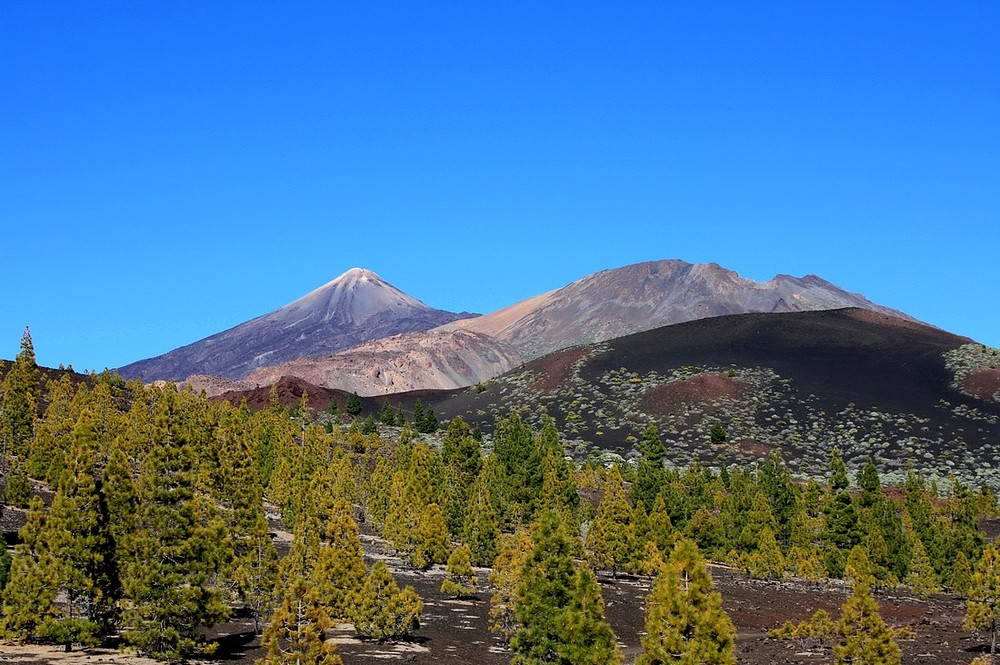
<point>983,384</point>
<point>554,369</point>
<point>701,388</point>
<point>290,391</point>
<point>454,632</point>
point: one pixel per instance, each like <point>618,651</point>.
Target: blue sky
<point>171,169</point>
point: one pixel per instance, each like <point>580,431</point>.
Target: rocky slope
<point>438,360</point>
<point>872,385</point>
<point>308,338</point>
<point>644,296</point>
<point>356,307</point>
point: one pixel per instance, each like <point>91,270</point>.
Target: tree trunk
<point>993,640</point>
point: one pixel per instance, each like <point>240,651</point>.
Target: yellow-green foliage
<point>385,612</point>
<point>504,579</point>
<point>460,579</point>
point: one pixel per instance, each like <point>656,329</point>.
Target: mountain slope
<point>643,296</point>
<point>355,307</point>
<point>438,360</point>
<point>869,384</point>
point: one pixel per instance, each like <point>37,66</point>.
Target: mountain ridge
<point>408,346</point>
<point>621,301</point>
<point>355,307</point>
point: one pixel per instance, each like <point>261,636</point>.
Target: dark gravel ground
<point>454,632</point>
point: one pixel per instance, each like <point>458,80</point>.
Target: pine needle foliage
<point>587,637</point>
<point>867,639</point>
<point>983,607</point>
<point>295,634</point>
<point>685,622</point>
<point>505,578</point>
<point>460,579</point>
<point>544,590</point>
<point>384,611</point>
<point>340,564</point>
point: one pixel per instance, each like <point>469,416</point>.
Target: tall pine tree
<point>174,551</point>
<point>543,592</point>
<point>685,622</point>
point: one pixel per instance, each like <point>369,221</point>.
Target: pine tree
<point>611,540</point>
<point>521,461</point>
<point>295,634</point>
<point>652,559</point>
<point>30,594</point>
<point>961,574</point>
<point>402,513</point>
<point>462,460</point>
<point>718,434</point>
<point>353,406</point>
<point>377,493</point>
<point>559,490</point>
<point>383,611</point>
<point>19,391</point>
<point>340,565</point>
<point>238,492</point>
<point>870,485</point>
<point>806,562</point>
<point>176,544</point>
<point>418,416</point>
<point>841,532</point>
<point>255,573</point>
<point>983,606</point>
<point>879,555</point>
<point>460,579</point>
<point>587,637</point>
<point>430,422</point>
<point>53,439</point>
<point>505,578</point>
<point>17,491</point>
<point>866,637</point>
<point>766,562</point>
<point>387,415</point>
<point>838,472</point>
<point>78,541</point>
<point>430,538</point>
<point>705,528</point>
<point>660,529</point>
<point>649,473</point>
<point>859,568</point>
<point>543,592</point>
<point>481,529</point>
<point>758,519</point>
<point>922,578</point>
<point>118,489</point>
<point>776,482</point>
<point>5,563</point>
<point>685,622</point>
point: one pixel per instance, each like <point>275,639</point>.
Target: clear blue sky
<point>171,169</point>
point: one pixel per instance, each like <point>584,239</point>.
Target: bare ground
<point>454,632</point>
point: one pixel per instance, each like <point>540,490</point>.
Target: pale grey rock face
<point>356,307</point>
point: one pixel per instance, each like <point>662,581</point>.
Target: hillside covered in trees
<point>150,514</point>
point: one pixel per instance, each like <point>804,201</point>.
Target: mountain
<point>901,392</point>
<point>438,360</point>
<point>356,307</point>
<point>644,296</point>
<point>310,337</point>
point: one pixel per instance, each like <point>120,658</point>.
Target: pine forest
<point>152,516</point>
